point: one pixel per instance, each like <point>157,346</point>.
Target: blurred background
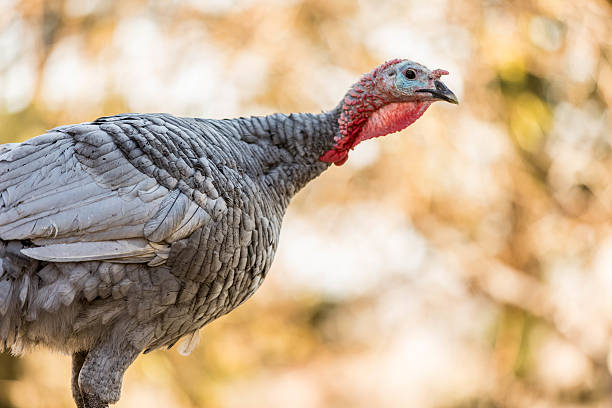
<point>464,262</point>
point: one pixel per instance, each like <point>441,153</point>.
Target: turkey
<point>125,234</point>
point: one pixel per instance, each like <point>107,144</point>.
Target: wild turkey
<point>125,234</point>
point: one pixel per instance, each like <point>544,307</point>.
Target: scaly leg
<point>92,401</point>
<point>78,359</point>
<point>102,373</point>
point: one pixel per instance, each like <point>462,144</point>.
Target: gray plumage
<point>127,233</point>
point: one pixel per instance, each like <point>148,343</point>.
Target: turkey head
<point>386,100</point>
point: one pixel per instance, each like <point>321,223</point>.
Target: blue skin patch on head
<point>411,76</point>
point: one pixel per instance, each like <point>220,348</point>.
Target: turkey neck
<point>292,145</point>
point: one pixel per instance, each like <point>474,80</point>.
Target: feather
<point>65,292</point>
<point>194,218</point>
<point>90,289</point>
<point>189,343</point>
<point>23,292</point>
<point>125,250</point>
<point>6,289</point>
<point>171,212</point>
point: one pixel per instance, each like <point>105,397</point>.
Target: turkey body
<point>125,234</point>
<point>131,231</point>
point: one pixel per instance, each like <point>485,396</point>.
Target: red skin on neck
<point>367,113</point>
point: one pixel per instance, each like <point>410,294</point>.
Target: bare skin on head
<point>128,233</point>
<point>386,100</point>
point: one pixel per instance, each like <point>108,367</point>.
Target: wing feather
<point>73,193</point>
<point>124,251</point>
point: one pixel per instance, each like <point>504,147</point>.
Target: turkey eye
<point>410,74</point>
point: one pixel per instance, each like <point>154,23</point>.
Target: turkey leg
<point>102,372</point>
<point>78,359</point>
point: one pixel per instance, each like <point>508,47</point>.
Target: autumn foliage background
<point>465,262</point>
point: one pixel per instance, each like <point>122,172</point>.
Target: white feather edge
<point>189,343</point>
<point>122,251</point>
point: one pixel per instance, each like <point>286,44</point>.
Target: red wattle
<point>335,156</point>
<point>366,125</point>
<point>391,118</point>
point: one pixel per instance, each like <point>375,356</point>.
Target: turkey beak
<point>441,92</point>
